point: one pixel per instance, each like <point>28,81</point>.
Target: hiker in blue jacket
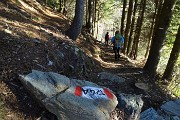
<point>118,42</point>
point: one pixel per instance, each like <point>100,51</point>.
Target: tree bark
<point>173,58</point>
<point>132,27</point>
<point>123,16</point>
<point>140,24</point>
<point>151,29</point>
<point>95,14</point>
<point>159,37</point>
<point>160,5</point>
<point>88,25</point>
<point>128,25</point>
<point>86,12</point>
<point>76,26</point>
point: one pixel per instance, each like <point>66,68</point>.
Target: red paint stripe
<point>108,93</point>
<point>78,91</point>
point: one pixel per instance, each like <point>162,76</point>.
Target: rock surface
<point>150,114</point>
<point>131,104</point>
<point>168,111</point>
<point>172,107</point>
<point>70,99</point>
<point>111,77</point>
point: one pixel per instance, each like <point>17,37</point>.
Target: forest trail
<point>132,72</point>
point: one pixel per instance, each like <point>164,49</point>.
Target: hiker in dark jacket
<point>106,38</point>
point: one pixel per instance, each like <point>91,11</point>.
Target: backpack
<point>118,40</point>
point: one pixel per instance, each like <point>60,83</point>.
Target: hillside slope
<point>32,37</point>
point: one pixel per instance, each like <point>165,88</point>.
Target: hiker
<point>117,41</point>
<point>106,38</point>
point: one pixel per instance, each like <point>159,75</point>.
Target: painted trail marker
<point>93,92</point>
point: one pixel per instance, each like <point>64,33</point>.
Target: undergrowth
<point>174,87</point>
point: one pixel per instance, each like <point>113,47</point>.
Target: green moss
<point>174,87</point>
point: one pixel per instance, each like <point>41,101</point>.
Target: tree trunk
<point>60,5</point>
<point>95,14</point>
<point>97,25</point>
<point>159,37</point>
<point>132,53</point>
<point>123,16</point>
<point>138,29</point>
<point>173,58</point>
<point>151,29</point>
<point>86,12</point>
<point>160,5</point>
<point>140,26</point>
<point>64,8</point>
<point>132,27</point>
<point>128,25</point>
<point>76,26</point>
<point>88,25</point>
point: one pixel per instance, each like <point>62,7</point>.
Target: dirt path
<point>132,73</point>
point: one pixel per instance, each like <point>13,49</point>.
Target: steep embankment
<point>31,37</point>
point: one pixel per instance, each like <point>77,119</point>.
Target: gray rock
<point>61,54</point>
<point>111,77</point>
<point>150,114</point>
<point>176,118</point>
<point>168,111</point>
<point>172,107</point>
<point>131,104</point>
<point>70,99</point>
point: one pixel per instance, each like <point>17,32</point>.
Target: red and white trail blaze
<point>93,92</point>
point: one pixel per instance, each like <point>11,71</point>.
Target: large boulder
<point>70,99</point>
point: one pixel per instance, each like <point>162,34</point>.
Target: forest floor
<point>19,105</point>
<point>26,39</point>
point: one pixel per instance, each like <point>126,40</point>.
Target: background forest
<point>138,21</point>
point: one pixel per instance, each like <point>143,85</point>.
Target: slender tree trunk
<point>88,25</point>
<point>135,41</point>
<point>123,16</point>
<point>128,25</point>
<point>97,26</point>
<point>86,12</point>
<point>134,50</point>
<point>60,5</point>
<point>159,37</point>
<point>140,26</point>
<point>95,12</point>
<point>173,58</point>
<point>151,29</point>
<point>93,17</point>
<point>132,27</point>
<point>132,53</point>
<point>46,2</point>
<point>76,26</point>
<point>160,5</point>
<point>64,8</point>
